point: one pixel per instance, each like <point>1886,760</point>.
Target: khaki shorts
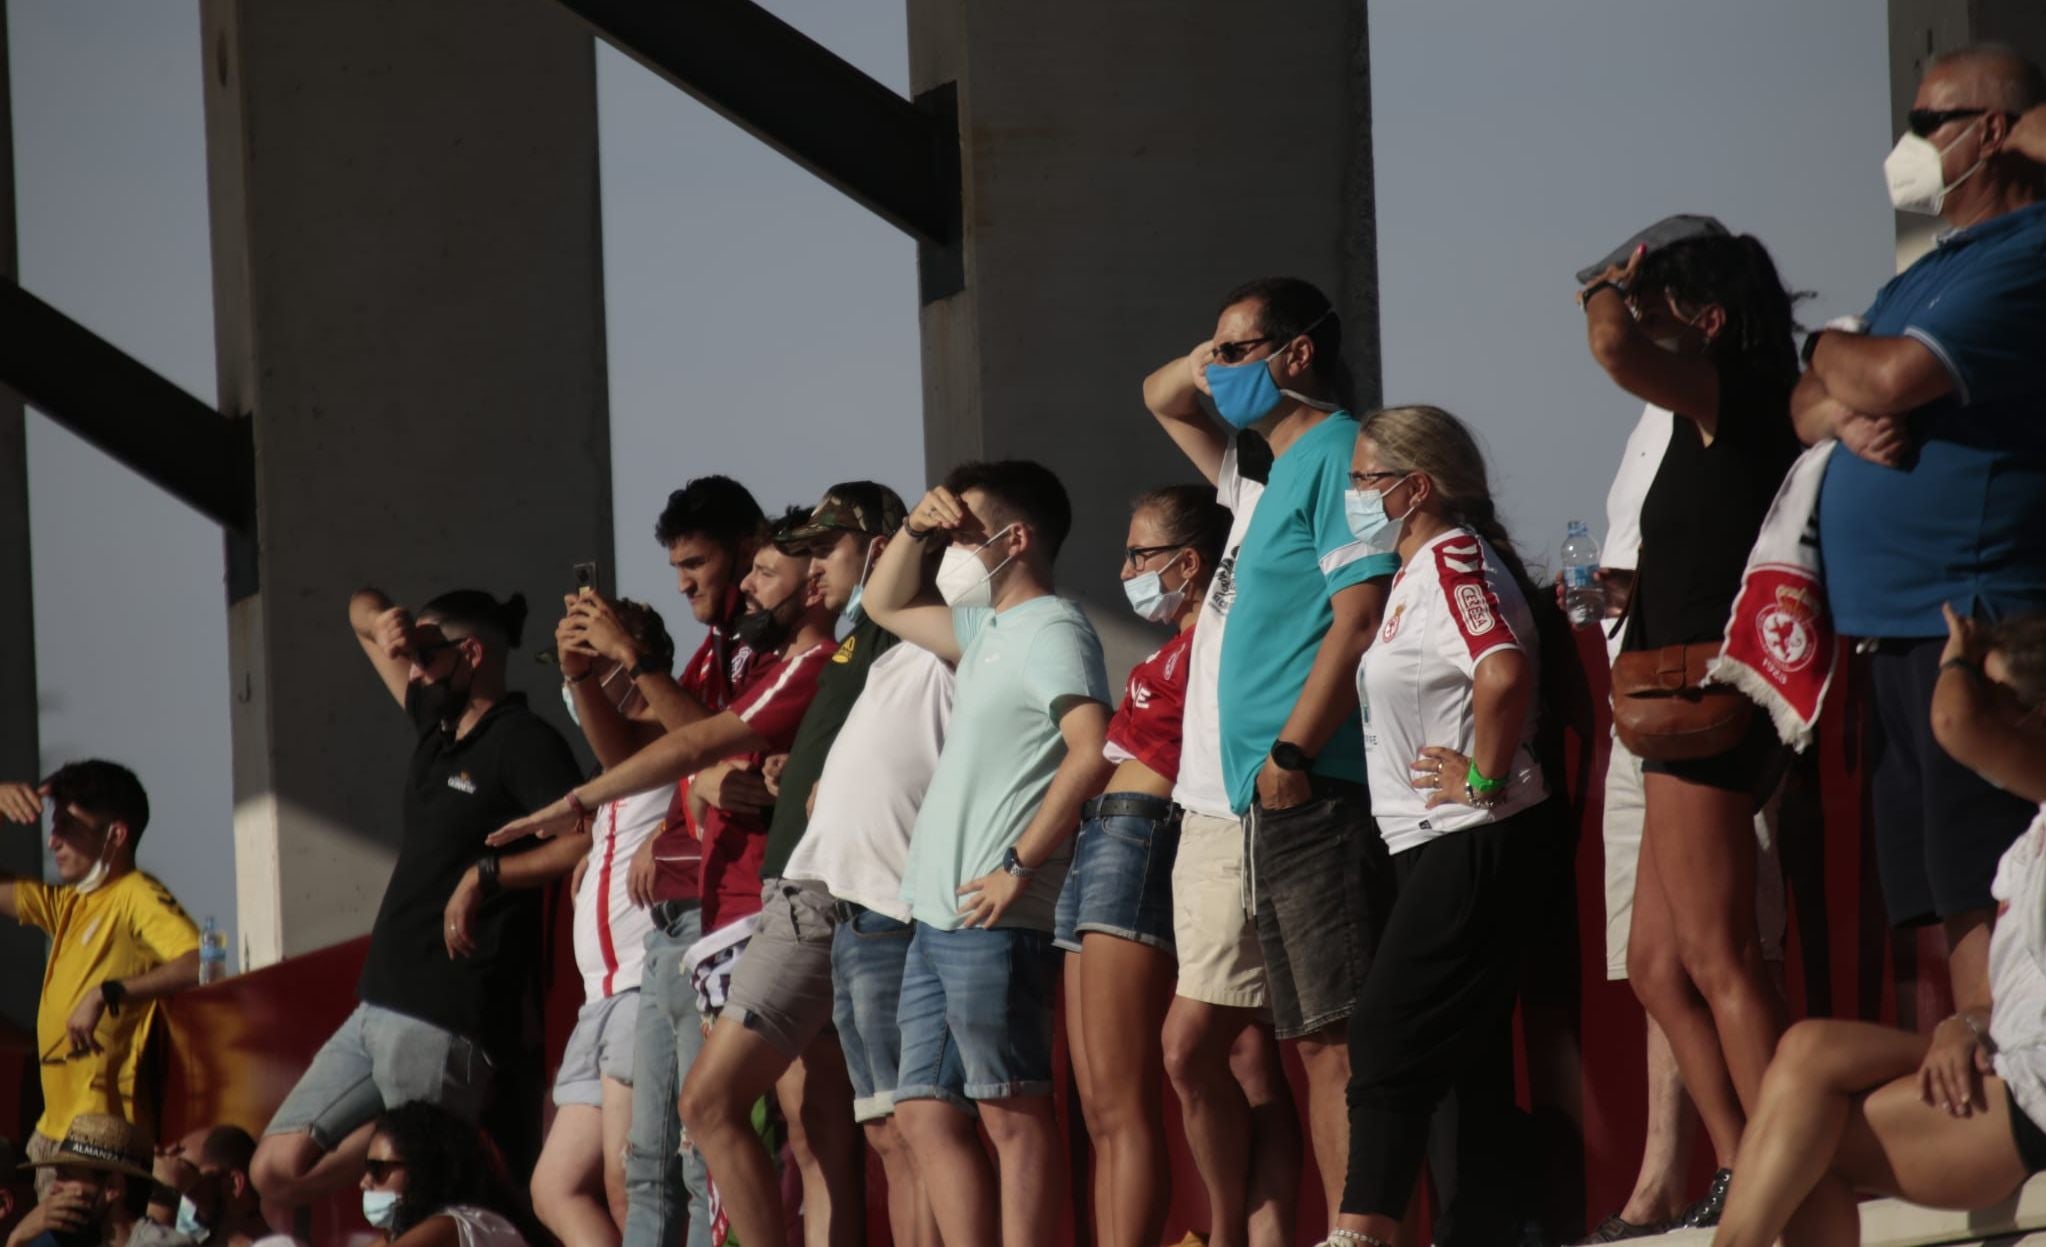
<point>1624,812</point>
<point>1219,959</point>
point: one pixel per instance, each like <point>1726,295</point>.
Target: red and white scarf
<point>1779,646</point>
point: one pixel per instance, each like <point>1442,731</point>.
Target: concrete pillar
<point>409,306</point>
<point>1124,166</point>
<point>1921,30</point>
<point>21,950</point>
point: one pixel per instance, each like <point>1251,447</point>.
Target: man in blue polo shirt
<point>989,851</point>
<point>1942,402</point>
<point>1308,601</point>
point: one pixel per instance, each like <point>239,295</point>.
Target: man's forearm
<point>671,703</point>
<point>165,980</point>
<point>1879,376</point>
<point>663,762</point>
<point>1079,777</point>
<point>1330,693</point>
<point>897,578</point>
<point>538,867</point>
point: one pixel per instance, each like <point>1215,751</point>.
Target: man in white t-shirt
<point>1659,1193</point>
<point>1220,1051</point>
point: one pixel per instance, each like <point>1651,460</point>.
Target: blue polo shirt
<point>1297,554</point>
<point>1965,519</point>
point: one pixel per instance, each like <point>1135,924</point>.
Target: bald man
<point>1940,396</point>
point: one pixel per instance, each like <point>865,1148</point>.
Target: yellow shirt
<point>125,928</point>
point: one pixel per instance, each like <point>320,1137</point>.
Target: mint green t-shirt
<point>1019,671</point>
<point>1297,555</point>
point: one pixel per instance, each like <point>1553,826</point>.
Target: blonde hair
<point>1430,441</point>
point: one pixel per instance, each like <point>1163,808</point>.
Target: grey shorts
<point>1321,886</point>
<point>600,1047</point>
<point>781,989</point>
<point>378,1060</point>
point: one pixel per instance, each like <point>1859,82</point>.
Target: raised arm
<point>898,595</point>
<point>1170,394</point>
<point>594,624</point>
<point>19,803</point>
<point>584,672</point>
<point>385,633</point>
<point>1685,384</point>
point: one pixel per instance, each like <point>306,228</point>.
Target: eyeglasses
<point>380,1171</point>
<point>1363,479</point>
<point>1924,121</point>
<point>1233,352</point>
<point>1133,555</point>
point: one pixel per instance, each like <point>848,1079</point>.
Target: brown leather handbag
<point>1664,711</point>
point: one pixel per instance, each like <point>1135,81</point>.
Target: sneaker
<point>1704,1214</point>
<point>1617,1228</point>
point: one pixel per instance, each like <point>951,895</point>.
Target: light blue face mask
<point>189,1223</point>
<point>380,1208</point>
<point>1369,524</point>
<point>850,616</point>
<point>1246,393</point>
<point>1151,599</point>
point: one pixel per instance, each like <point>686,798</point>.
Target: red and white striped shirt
<point>611,931</point>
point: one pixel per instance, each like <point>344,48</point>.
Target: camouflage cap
<point>851,507</point>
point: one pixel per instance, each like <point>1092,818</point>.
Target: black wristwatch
<point>1014,864</point>
<point>1288,756</point>
<point>1811,346</point>
<point>914,533</point>
<point>114,993</point>
<point>645,665</point>
<point>487,879</point>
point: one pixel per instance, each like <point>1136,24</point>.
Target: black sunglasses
<point>1233,352</point>
<point>1924,121</point>
<point>380,1171</point>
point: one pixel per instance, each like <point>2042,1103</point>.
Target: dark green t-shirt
<point>844,678</point>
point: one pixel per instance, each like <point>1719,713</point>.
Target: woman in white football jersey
<point>1448,690</point>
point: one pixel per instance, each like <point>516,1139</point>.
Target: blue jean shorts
<point>868,952</point>
<point>1120,882</point>
<point>981,999</point>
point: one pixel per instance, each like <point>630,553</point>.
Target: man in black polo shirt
<point>778,1012</point>
<point>455,946</point>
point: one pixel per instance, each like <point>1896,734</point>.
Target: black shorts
<point>1940,828</point>
<point>2030,1139</point>
<point>1754,766</point>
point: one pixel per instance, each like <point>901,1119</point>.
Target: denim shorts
<point>600,1047</point>
<point>1120,882</point>
<point>1320,888</point>
<point>868,951</point>
<point>981,999</point>
<point>377,1060</point>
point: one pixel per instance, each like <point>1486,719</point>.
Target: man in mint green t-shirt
<point>1308,600</point>
<point>988,854</point>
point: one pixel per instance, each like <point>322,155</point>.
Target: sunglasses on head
<point>1924,121</point>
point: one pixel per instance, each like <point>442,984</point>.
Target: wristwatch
<point>114,993</point>
<point>914,533</point>
<point>487,878</point>
<point>1288,756</point>
<point>1014,864</point>
<point>645,665</point>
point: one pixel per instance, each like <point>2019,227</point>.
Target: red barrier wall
<point>237,1046</point>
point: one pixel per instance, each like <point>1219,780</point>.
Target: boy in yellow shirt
<point>119,942</point>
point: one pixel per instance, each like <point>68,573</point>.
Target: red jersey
<point>714,676</point>
<point>734,842</point>
<point>1146,725</point>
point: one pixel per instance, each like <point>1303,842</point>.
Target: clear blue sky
<point>1514,144</point>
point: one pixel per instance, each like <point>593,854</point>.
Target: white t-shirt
<point>1200,786</point>
<point>610,930</point>
<point>1452,605</point>
<point>1646,446</point>
<point>874,781</point>
<point>2017,970</point>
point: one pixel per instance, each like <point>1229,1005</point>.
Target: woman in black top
<point>1703,328</point>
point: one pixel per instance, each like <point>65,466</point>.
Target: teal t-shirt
<point>1018,672</point>
<point>1298,554</point>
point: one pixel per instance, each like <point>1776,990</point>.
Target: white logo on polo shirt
<point>461,782</point>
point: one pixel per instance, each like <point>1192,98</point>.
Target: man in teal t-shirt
<point>1022,752</point>
<point>1308,601</point>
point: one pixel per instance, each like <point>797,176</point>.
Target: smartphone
<point>586,577</point>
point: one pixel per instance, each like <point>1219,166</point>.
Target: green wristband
<point>1480,786</point>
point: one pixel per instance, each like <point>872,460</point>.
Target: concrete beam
<point>21,853</point>
<point>408,290</point>
<point>1119,177</point>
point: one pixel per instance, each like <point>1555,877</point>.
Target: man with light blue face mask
<point>1939,393</point>
<point>1308,601</point>
<point>218,1205</point>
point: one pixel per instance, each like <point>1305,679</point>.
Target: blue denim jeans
<point>979,1000</point>
<point>658,1175</point>
<point>1120,882</point>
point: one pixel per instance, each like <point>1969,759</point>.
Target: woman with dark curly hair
<point>429,1181</point>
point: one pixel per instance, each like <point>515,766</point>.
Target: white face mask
<point>380,1208</point>
<point>963,580</point>
<point>1916,172</point>
<point>97,876</point>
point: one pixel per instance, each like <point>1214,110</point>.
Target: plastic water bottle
<point>212,952</point>
<point>1584,597</point>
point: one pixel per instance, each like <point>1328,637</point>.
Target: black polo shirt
<point>837,689</point>
<point>456,793</point>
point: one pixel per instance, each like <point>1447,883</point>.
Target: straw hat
<point>101,1141</point>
